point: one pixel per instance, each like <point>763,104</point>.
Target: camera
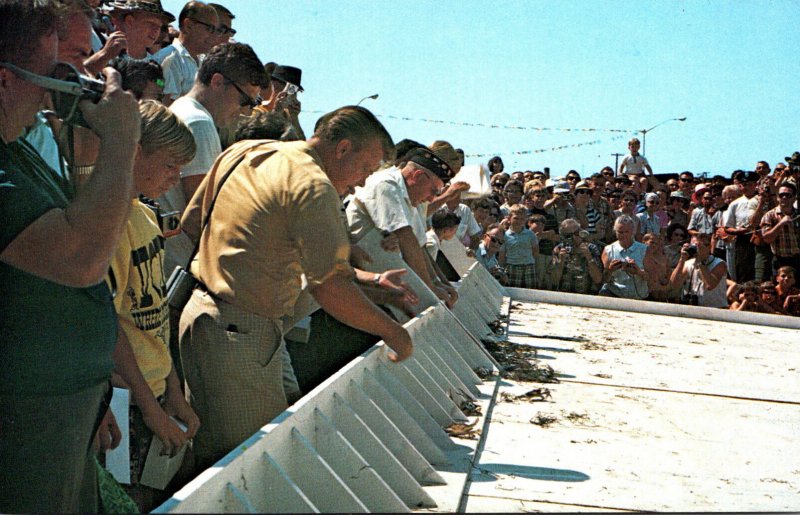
<point>67,87</point>
<point>690,299</point>
<point>168,221</point>
<point>691,251</point>
<point>73,87</point>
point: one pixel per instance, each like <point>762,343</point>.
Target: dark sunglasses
<point>226,31</point>
<point>495,240</point>
<point>572,179</point>
<point>785,195</point>
<point>246,100</point>
<point>583,192</point>
<point>211,29</point>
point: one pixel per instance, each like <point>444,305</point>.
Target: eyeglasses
<point>495,240</point>
<point>246,100</point>
<point>211,29</point>
<point>686,179</point>
<point>431,177</point>
<point>785,195</point>
<point>573,179</point>
<point>583,192</point>
<point>223,30</point>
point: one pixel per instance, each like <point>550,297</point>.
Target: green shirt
<point>54,339</point>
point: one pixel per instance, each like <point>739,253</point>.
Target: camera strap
<point>207,218</point>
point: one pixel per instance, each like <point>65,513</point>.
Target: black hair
<point>22,23</point>
<point>136,73</point>
<point>236,61</point>
<point>402,149</point>
<point>444,219</point>
<point>265,125</point>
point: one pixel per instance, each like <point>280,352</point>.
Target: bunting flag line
<point>490,125</point>
<point>542,150</point>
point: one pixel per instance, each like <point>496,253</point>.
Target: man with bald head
<point>198,24</point>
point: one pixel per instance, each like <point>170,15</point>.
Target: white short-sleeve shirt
<point>634,165</point>
<point>180,70</point>
<point>383,204</point>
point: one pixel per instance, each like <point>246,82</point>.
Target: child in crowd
<point>634,164</point>
<point>788,294</point>
<point>769,298</point>
<point>522,249</point>
<point>749,299</point>
<point>444,225</point>
<point>536,224</point>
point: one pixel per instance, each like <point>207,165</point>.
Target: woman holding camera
<point>703,274</point>
<point>576,262</point>
<point>624,263</point>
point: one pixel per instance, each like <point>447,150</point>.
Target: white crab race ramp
<point>652,407</point>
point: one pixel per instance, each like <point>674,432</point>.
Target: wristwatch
<point>376,279</point>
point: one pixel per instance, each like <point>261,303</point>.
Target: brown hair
<point>356,124</point>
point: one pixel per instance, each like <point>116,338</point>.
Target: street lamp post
<point>373,97</point>
<point>645,131</point>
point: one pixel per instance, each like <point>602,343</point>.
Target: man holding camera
<point>781,229</point>
<point>706,285</point>
<point>59,326</point>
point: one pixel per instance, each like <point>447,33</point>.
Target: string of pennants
<point>515,127</point>
<point>542,150</point>
<point>491,125</point>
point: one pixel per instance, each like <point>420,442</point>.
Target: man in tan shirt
<point>276,217</point>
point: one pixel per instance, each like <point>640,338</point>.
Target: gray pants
<point>234,364</point>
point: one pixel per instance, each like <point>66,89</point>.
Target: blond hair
<point>161,129</point>
<point>518,209</point>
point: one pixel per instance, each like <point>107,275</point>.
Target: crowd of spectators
<point>711,242</point>
<point>104,196</point>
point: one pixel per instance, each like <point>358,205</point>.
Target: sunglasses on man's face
<point>245,99</point>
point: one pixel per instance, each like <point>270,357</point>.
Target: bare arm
<point>73,246</point>
<point>678,274</point>
<point>413,254</point>
<point>711,278</point>
<point>154,416</point>
<point>360,313</point>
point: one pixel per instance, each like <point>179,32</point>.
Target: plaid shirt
<point>787,244</point>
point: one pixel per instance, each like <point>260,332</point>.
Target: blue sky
<point>727,66</point>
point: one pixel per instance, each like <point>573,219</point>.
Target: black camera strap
<point>207,218</point>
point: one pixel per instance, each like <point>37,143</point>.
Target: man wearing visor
<point>388,202</point>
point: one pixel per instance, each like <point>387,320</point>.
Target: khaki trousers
<point>233,362</point>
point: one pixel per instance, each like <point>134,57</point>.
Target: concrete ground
<point>652,413</point>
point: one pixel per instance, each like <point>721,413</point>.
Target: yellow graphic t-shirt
<point>141,300</point>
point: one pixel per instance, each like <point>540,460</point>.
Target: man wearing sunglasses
<point>58,328</point>
<point>225,30</point>
<point>227,82</point>
<point>198,25</point>
<point>781,229</point>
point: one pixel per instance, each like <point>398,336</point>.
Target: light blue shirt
<point>519,247</point>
